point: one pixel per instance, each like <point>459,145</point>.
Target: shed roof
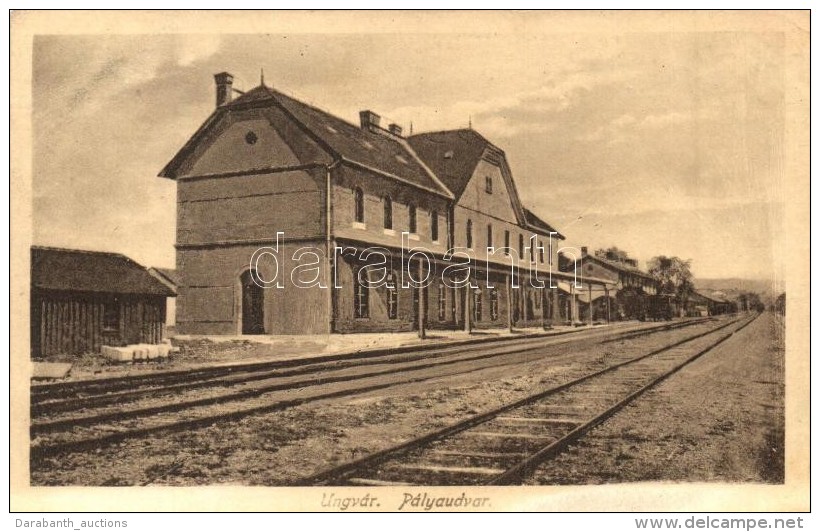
<point>91,271</point>
<point>619,266</point>
<point>167,276</point>
<point>715,297</point>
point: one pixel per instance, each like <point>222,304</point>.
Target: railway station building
<point>293,221</point>
<point>624,298</point>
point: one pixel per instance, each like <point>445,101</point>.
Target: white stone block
<point>118,354</point>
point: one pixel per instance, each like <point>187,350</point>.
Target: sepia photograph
<point>410,261</point>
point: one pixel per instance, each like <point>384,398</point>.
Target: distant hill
<point>734,286</point>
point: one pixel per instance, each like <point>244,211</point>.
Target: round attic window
<point>251,137</point>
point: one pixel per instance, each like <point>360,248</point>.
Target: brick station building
<point>335,204</point>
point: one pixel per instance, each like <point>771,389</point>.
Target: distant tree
<point>612,253</point>
<point>780,303</point>
<point>674,277</point>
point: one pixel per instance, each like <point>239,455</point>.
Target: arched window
<point>469,233</point>
<point>388,213</point>
<point>358,198</point>
<point>411,210</point>
<point>434,226</point>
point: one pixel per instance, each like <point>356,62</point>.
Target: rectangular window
<point>434,226</point>
<point>388,213</point>
<point>469,233</point>
<point>361,297</point>
<point>477,304</point>
<point>488,185</point>
<point>532,250</point>
<point>507,242</point>
<point>489,235</point>
<point>521,247</point>
<point>412,213</point>
<point>541,253</point>
<point>442,302</point>
<point>493,303</point>
<point>111,315</point>
<point>359,205</point>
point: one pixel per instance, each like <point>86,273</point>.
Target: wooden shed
<point>82,300</point>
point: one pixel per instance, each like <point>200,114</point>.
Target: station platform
<point>195,352</point>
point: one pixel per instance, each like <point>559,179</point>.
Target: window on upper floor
<point>411,210</point>
<point>434,226</point>
<point>469,234</point>
<point>488,185</point>
<point>521,247</point>
<point>507,242</point>
<point>541,252</point>
<point>358,200</point>
<point>388,213</point>
<point>489,235</point>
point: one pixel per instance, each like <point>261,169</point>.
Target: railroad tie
<point>373,482</point>
<point>521,436</point>
<point>451,469</point>
<point>540,421</point>
<point>477,454</point>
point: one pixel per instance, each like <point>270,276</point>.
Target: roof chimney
<point>224,88</point>
<point>369,119</point>
<point>394,129</point>
<point>584,250</point>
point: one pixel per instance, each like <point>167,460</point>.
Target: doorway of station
<point>253,302</point>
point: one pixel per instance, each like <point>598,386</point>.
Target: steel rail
<point>347,469</point>
<point>47,408</point>
<point>45,392</point>
<point>42,451</point>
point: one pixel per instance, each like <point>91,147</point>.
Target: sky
<point>659,143</point>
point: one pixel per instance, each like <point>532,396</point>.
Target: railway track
<point>504,446</point>
<point>99,419</point>
<point>77,394</point>
<point>46,405</point>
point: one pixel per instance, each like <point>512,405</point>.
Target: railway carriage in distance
<point>83,300</point>
<point>659,307</point>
